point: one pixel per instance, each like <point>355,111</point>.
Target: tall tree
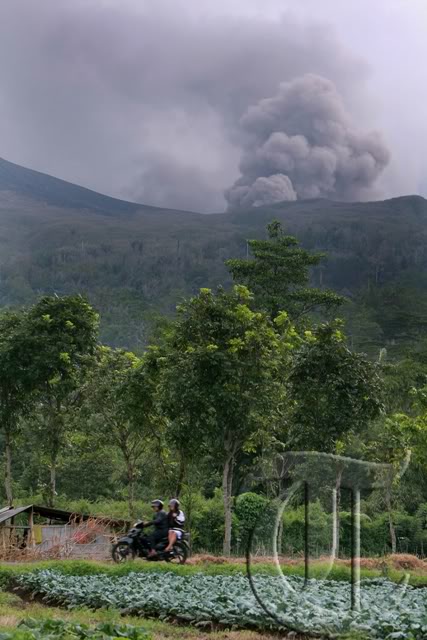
<point>396,440</point>
<point>120,403</point>
<point>335,392</point>
<point>14,393</point>
<point>56,341</point>
<point>222,378</point>
<point>279,273</point>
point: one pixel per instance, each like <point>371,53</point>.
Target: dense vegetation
<point>238,377</point>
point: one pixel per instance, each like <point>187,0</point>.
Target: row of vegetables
<point>51,629</point>
<point>387,610</point>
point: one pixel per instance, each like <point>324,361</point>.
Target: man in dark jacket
<point>160,523</point>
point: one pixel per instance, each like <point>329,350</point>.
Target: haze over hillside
<point>56,192</point>
<point>134,261</point>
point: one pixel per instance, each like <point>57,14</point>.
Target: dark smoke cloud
<point>301,143</point>
<point>143,99</point>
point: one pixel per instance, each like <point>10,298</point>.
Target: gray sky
<point>144,99</point>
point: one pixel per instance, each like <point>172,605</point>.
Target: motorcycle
<point>135,544</point>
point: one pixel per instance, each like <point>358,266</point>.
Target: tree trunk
<point>392,530</point>
<point>227,483</point>
<point>52,485</point>
<point>181,476</point>
<point>280,537</point>
<point>8,469</point>
<point>131,488</point>
<point>55,424</point>
<point>337,523</point>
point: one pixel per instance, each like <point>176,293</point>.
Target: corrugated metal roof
<point>4,509</point>
<point>59,514</point>
<point>11,513</point>
<point>68,516</point>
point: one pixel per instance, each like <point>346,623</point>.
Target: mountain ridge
<point>134,263</point>
<point>58,192</point>
<point>47,188</point>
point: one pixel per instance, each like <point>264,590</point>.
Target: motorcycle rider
<point>160,523</point>
<point>176,519</point>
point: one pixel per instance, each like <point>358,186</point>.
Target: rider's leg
<point>154,538</point>
<point>171,540</point>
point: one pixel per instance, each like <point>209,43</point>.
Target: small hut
<point>54,532</point>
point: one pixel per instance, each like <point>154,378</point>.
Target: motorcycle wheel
<point>180,554</point>
<point>122,552</point>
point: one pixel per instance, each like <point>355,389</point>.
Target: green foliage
<point>278,275</point>
<point>318,569</point>
<point>294,527</point>
<point>207,527</point>
<point>402,380</point>
<point>251,509</point>
<point>57,334</point>
<point>30,629</point>
<point>132,267</point>
<point>221,366</point>
<point>55,344</point>
<point>219,392</point>
<point>222,379</point>
<point>120,411</point>
<point>14,388</point>
<point>335,391</point>
<point>13,392</point>
<point>321,607</point>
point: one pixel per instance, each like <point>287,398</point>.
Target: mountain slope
<point>135,261</point>
<point>54,191</point>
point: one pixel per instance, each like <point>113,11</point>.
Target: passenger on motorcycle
<point>176,519</point>
<point>160,523</point>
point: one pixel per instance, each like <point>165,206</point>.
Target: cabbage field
<point>323,607</point>
<point>51,629</point>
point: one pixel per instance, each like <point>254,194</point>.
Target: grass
<point>13,609</point>
<point>319,570</point>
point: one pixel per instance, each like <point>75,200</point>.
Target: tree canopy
<point>279,273</point>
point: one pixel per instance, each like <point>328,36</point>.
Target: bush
<point>205,520</point>
<point>249,511</point>
<point>207,524</point>
<point>320,530</point>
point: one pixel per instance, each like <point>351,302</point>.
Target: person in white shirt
<point>176,520</point>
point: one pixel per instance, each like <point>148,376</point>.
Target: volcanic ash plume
<point>301,143</point>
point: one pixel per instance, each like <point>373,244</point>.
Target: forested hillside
<point>135,262</point>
